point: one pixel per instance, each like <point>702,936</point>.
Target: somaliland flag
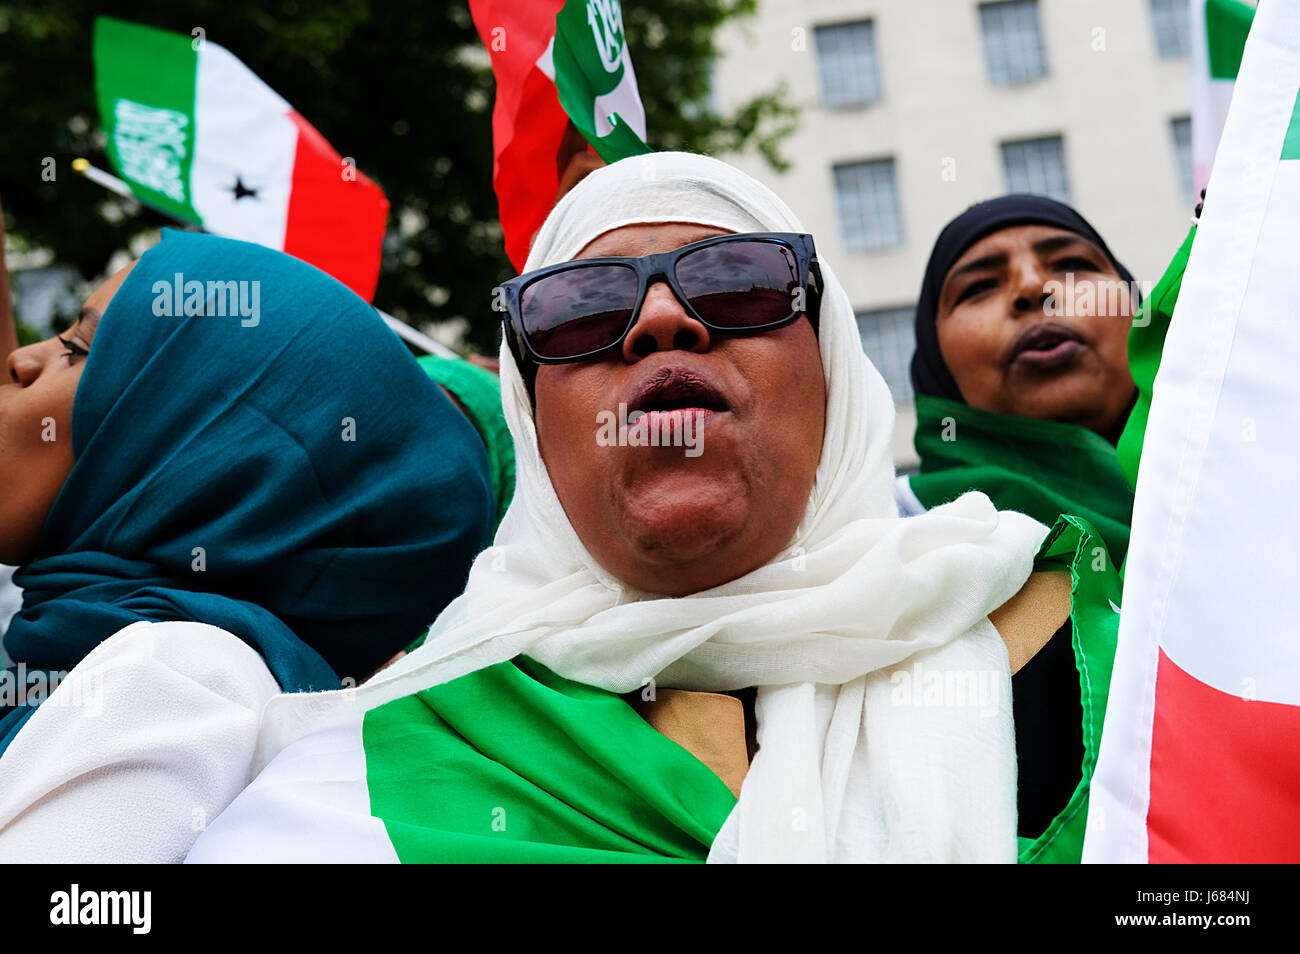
<point>555,62</point>
<point>1218,35</point>
<point>195,133</point>
<point>1200,755</point>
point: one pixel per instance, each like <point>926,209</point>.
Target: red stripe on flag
<point>1225,775</point>
<point>335,223</point>
<point>528,123</point>
<point>526,176</point>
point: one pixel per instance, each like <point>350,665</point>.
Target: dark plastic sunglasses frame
<point>662,266</point>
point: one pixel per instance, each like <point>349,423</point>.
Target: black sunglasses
<point>732,284</point>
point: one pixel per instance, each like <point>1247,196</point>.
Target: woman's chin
<point>1077,398</point>
<point>683,545</point>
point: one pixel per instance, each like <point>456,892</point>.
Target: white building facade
<point>912,110</point>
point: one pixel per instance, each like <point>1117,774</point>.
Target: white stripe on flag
<point>310,805</point>
<point>624,99</point>
<point>242,129</point>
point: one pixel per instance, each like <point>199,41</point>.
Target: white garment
<point>855,764</point>
<point>147,740</point>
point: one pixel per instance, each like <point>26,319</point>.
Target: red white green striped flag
<point>1219,30</point>
<point>555,62</point>
<point>195,133</point>
<point>1200,755</point>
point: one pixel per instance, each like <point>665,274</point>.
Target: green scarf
<point>1040,468</point>
<point>1094,628</point>
<point>516,764</point>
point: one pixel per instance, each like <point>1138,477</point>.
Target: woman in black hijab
<point>1021,366</point>
<point>1022,388</point>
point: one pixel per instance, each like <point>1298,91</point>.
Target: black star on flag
<point>240,190</point>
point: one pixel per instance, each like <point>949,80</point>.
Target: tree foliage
<point>399,85</point>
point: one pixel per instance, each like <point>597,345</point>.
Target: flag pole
<point>404,331</point>
<point>112,183</point>
<point>415,337</point>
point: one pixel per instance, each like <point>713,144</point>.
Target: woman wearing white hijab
<point>504,738</point>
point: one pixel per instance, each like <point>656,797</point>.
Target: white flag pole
<point>112,183</point>
<point>417,338</point>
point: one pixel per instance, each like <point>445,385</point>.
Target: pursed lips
<point>1046,346</point>
<point>675,387</point>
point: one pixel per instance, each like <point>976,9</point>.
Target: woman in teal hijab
<point>250,448</point>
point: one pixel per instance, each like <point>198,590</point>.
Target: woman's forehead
<point>1017,238</point>
<point>648,238</point>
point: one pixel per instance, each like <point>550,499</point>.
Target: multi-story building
<point>914,109</point>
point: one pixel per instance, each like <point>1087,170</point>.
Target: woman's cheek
<point>971,346</point>
<point>40,420</point>
<point>1109,324</point>
<point>22,426</point>
<point>1084,302</point>
<point>1106,299</point>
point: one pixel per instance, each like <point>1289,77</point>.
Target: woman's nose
<point>1030,288</point>
<point>663,325</point>
<point>25,364</point>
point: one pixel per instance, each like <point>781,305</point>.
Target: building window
<point>1013,42</point>
<point>1182,132</point>
<point>1170,19</point>
<point>889,339</point>
<point>1037,166</point>
<point>846,59</point>
<point>866,196</point>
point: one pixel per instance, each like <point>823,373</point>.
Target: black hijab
<point>930,374</point>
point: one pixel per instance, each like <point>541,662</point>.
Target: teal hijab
<point>287,473</point>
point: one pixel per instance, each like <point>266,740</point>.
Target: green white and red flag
<point>1218,35</point>
<point>195,133</point>
<point>555,62</point>
<point>1200,754</point>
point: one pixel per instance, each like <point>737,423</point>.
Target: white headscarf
<point>858,761</point>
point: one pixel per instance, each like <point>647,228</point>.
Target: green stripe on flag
<point>1227,24</point>
<point>590,62</point>
<point>1291,145</point>
<point>514,763</point>
<point>144,82</point>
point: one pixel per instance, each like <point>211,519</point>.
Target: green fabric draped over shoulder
<point>516,764</point>
<point>1095,592</point>
<point>1037,467</point>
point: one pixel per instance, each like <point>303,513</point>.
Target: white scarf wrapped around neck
<point>868,636</point>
